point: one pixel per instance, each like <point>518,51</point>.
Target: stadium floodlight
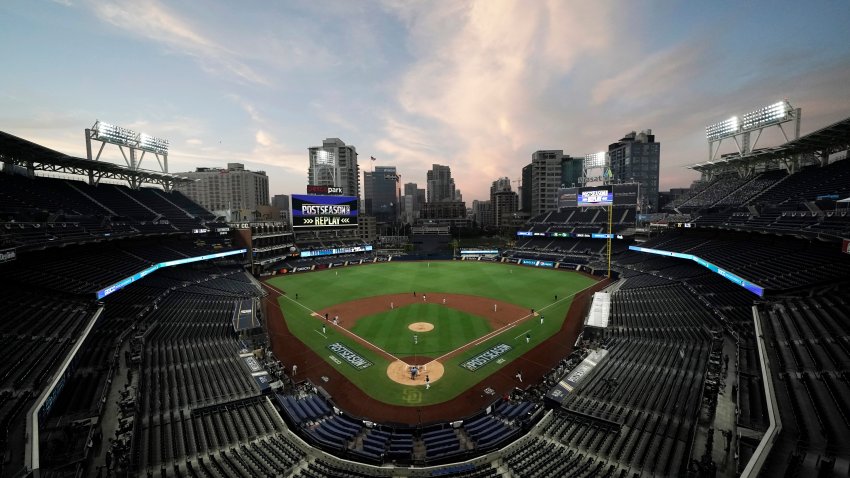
<point>116,134</point>
<point>595,160</point>
<point>152,144</point>
<point>325,157</point>
<point>767,115</point>
<point>723,129</point>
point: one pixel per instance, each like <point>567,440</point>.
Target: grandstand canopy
<point>820,143</point>
<point>34,157</point>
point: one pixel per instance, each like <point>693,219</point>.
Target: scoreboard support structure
<point>610,234</point>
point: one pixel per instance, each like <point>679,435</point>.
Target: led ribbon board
<point>479,251</point>
<point>139,275</point>
<point>579,235</point>
<point>536,263</point>
<point>335,251</point>
<point>754,288</point>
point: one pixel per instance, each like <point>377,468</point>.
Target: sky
<point>476,85</point>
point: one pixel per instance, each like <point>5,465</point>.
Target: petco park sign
<point>350,356</point>
<point>486,357</point>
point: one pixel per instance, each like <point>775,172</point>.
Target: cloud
<point>155,22</point>
<point>655,76</point>
<point>480,68</point>
<point>248,107</point>
<point>263,139</point>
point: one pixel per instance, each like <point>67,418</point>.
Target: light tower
<point>594,162</point>
<point>106,133</point>
<point>739,129</point>
<point>325,166</point>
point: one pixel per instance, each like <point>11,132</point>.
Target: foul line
<point>520,335</point>
<point>355,336</point>
<point>509,326</point>
<point>471,344</point>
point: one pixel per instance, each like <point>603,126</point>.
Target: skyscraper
<point>503,202</point>
<point>525,191</point>
<point>380,193</point>
<point>546,178</point>
<point>441,186</point>
<point>637,157</point>
<point>334,164</point>
<point>411,202</point>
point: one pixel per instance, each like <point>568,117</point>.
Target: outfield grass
<point>452,328</point>
<point>524,286</point>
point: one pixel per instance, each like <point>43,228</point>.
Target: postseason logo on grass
<point>486,357</point>
<point>353,359</point>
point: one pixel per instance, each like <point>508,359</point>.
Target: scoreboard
<point>595,197</point>
<point>309,212</point>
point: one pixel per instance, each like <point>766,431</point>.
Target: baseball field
<point>456,322</point>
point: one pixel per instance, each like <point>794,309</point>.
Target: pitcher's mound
<point>399,372</point>
<point>421,327</point>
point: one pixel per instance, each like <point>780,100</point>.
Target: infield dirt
<point>534,364</point>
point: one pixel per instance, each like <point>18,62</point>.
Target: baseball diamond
<point>474,312</point>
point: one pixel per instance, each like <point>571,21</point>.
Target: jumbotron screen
<point>595,197</point>
<point>310,212</point>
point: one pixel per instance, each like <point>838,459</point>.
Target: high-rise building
<point>482,212</point>
<point>546,170</point>
<point>503,203</point>
<point>571,170</point>
<point>411,202</point>
<point>441,186</point>
<point>227,189</point>
<point>334,164</point>
<point>380,193</point>
<point>501,184</point>
<point>636,158</point>
<point>525,191</point>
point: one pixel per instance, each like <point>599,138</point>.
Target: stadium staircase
<point>162,196</point>
<point>78,190</point>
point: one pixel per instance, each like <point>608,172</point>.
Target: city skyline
<point>476,86</point>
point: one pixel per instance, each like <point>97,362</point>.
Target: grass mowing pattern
<point>452,329</point>
<point>524,286</point>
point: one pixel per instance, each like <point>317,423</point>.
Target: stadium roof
<point>835,137</point>
<point>20,152</point>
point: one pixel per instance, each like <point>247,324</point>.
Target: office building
<point>380,193</point>
<point>482,213</point>
<point>441,186</point>
<point>572,169</point>
<point>546,177</point>
<point>525,189</point>
<point>227,189</point>
<point>281,201</point>
<point>503,203</point>
<point>411,202</point>
<point>334,164</point>
<point>636,158</point>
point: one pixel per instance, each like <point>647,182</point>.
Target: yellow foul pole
<point>610,229</point>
